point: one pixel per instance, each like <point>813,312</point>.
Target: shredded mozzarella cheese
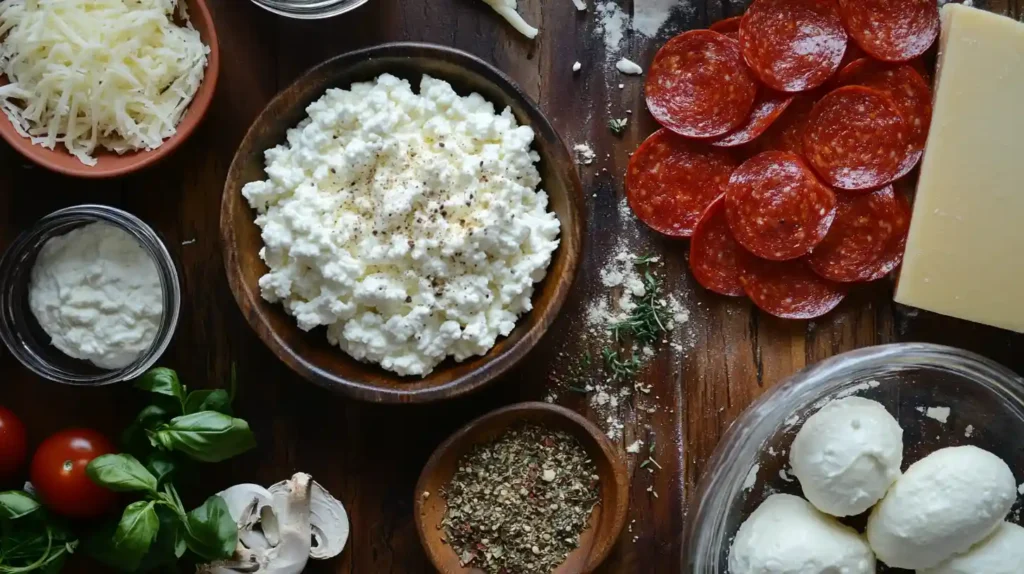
<point>85,73</point>
<point>507,10</point>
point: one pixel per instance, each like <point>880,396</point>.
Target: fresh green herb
<point>618,126</point>
<point>30,539</point>
<point>520,503</point>
<point>646,323</point>
<point>580,390</point>
<point>621,369</point>
<point>157,530</point>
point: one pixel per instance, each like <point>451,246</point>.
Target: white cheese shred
<point>581,5</point>
<point>507,10</point>
<point>117,74</point>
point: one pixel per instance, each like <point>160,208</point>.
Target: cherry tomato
<point>58,474</point>
<point>13,445</point>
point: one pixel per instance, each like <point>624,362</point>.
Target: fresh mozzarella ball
<point>847,455</point>
<point>1001,553</point>
<point>944,504</point>
<point>786,535</point>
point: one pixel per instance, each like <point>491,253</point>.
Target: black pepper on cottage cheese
<point>410,225</point>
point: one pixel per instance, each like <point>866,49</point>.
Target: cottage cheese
<point>410,225</point>
<point>96,293</point>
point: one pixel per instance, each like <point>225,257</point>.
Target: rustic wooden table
<point>370,456</point>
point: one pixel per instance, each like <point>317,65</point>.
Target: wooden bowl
<point>309,354</point>
<point>606,522</point>
<point>108,163</point>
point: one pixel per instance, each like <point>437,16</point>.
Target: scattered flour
<point>858,388</point>
<point>751,479</point>
<point>940,414</point>
<point>584,153</point>
<point>635,447</point>
<point>650,15</point>
<point>612,23</point>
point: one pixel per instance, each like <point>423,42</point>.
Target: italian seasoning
<point>520,503</point>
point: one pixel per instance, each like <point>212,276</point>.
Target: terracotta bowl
<point>309,354</point>
<point>606,521</point>
<point>108,163</point>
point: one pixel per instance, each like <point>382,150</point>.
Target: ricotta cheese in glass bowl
<point>410,225</point>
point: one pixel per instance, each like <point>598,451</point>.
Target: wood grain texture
<point>369,456</point>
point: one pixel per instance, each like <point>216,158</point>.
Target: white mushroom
<point>278,527</point>
<point>328,518</point>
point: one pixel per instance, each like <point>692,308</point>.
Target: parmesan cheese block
<point>963,256</point>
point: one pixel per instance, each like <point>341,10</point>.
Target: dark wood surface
<point>370,456</point>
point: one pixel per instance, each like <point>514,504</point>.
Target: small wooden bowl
<point>309,354</point>
<point>606,522</point>
<point>108,163</point>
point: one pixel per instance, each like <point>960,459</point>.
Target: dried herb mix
<point>520,503</point>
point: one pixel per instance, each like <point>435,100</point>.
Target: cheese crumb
<point>507,10</point>
<point>635,447</point>
<point>940,414</point>
<point>581,5</point>
<point>577,67</point>
<point>629,67</point>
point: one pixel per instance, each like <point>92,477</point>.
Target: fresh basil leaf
<point>161,465</point>
<point>136,531</point>
<point>208,400</point>
<point>206,436</point>
<point>162,381</point>
<point>169,544</point>
<point>16,503</point>
<point>209,530</point>
<point>134,437</point>
<point>121,473</point>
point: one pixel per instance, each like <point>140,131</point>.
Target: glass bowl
<point>20,331</point>
<point>986,409</point>
<point>309,9</point>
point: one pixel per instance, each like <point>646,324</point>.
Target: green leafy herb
<point>121,473</point>
<point>135,533</point>
<point>161,465</point>
<point>209,530</point>
<point>162,381</point>
<point>15,504</point>
<point>646,323</point>
<point>206,436</point>
<point>208,400</point>
<point>621,369</point>
<point>618,126</point>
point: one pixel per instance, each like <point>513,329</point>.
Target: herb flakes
<point>519,504</point>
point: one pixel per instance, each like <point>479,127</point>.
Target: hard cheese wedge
<point>965,252</point>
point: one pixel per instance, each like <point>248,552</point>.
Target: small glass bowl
<point>22,333</point>
<point>986,409</point>
<point>309,9</point>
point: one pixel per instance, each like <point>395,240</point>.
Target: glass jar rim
<point>310,9</point>
<point>19,259</point>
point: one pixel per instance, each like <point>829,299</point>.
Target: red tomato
<point>13,445</point>
<point>58,474</point>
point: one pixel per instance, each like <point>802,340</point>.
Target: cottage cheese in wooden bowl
<point>410,225</point>
<point>407,212</point>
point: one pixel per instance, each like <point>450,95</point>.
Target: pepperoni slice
<point>671,181</point>
<point>866,240</point>
<point>714,252</point>
<point>729,27</point>
<point>793,45</point>
<point>892,30</point>
<point>857,139</point>
<point>908,91</point>
<point>767,108</point>
<point>788,289</point>
<point>698,85</point>
<point>787,133</point>
<point>776,208</point>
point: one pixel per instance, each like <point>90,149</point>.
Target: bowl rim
<point>720,480</point>
<point>139,159</point>
<point>469,433</point>
<point>337,10</point>
<point>494,367</point>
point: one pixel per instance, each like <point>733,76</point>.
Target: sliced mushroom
<point>279,538</point>
<point>328,519</point>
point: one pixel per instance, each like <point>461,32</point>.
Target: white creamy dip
<point>410,225</point>
<point>96,292</point>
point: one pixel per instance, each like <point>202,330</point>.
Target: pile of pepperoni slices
<point>783,133</point>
